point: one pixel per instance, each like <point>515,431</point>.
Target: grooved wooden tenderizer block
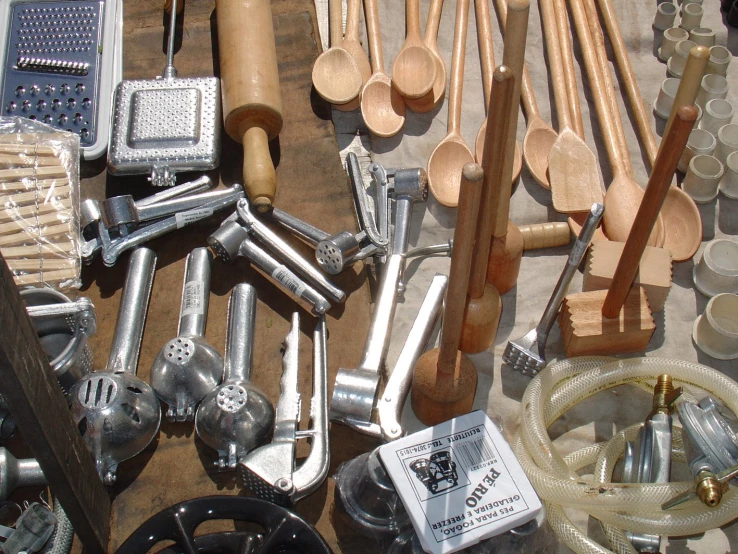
<point>654,271</point>
<point>585,331</point>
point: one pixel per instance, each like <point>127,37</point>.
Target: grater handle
<point>169,71</point>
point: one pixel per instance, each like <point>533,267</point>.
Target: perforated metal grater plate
<point>52,64</point>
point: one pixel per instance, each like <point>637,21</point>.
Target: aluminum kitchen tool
<point>110,247</point>
<point>187,367</point>
<point>334,253</point>
<point>16,473</point>
<point>63,328</point>
<point>286,252</point>
<point>528,353</point>
<point>355,390</point>
<point>375,221</point>
<point>117,413</point>
<point>166,125</point>
<point>269,472</point>
<point>61,60</point>
<point>236,417</point>
<point>231,240</point>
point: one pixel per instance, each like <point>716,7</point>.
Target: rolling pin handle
<point>260,178</point>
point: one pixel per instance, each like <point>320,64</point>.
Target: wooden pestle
<point>689,85</point>
<point>252,102</point>
<point>444,379</point>
<point>483,303</point>
<point>506,251</point>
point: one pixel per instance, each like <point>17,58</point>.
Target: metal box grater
<point>61,60</point>
<point>166,124</point>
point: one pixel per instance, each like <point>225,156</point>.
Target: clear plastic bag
<point>39,203</point>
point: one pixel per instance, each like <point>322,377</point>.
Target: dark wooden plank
<point>32,394</point>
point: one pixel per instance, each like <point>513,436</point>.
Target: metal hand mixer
<point>187,367</point>
<point>117,413</point>
<point>166,125</point>
<point>236,416</point>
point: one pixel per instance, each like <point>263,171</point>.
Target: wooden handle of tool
<point>38,264</point>
<point>250,83</point>
<point>501,101</point>
<point>628,77</point>
<point>16,225</point>
<point>44,277</point>
<point>14,211</point>
<point>513,57</point>
<point>28,235</point>
<point>40,249</point>
<point>567,62</point>
<point>556,63</point>
<point>371,16</point>
<point>335,21</point>
<point>432,23</point>
<point>458,54</point>
<point>486,49</point>
<point>604,113</point>
<point>470,194</point>
<point>412,18</point>
<point>526,86</point>
<point>656,190</point>
<point>689,86</point>
<point>353,13</point>
<point>28,149</point>
<point>20,173</point>
<point>545,235</point>
<point>42,192</point>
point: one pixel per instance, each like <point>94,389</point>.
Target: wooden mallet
<point>444,379</point>
<point>619,320</point>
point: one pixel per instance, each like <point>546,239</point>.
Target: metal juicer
<point>167,124</point>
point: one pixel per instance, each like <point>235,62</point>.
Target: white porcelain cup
<point>729,184</point>
<point>703,36</point>
<point>665,15</point>
<point>665,99</point>
<point>700,142</point>
<point>702,179</point>
<point>712,86</point>
<point>718,112</point>
<point>671,38</point>
<point>717,271</point>
<point>715,332</point>
<point>719,60</point>
<point>727,142</point>
<point>691,16</point>
<point>678,59</point>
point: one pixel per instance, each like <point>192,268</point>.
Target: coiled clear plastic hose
<point>618,506</point>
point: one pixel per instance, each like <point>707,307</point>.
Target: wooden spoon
<point>487,61</point>
<point>353,46</point>
<point>681,218</point>
<point>567,57</point>
<point>572,167</point>
<point>452,153</point>
<point>426,103</point>
<point>382,106</point>
<point>623,195</point>
<point>414,68</point>
<point>336,76</point>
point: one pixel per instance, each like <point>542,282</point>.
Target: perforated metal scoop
<point>166,125</point>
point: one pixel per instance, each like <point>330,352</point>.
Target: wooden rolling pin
<point>252,103</point>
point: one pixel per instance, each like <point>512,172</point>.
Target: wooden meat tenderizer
<point>444,379</point>
<point>619,320</point>
<point>483,303</point>
<point>252,103</point>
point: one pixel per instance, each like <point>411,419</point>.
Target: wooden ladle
<point>624,194</point>
<point>452,153</point>
<point>353,46</point>
<point>572,167</point>
<point>487,62</point>
<point>426,103</point>
<point>336,76</point>
<point>382,106</point>
<point>414,68</point>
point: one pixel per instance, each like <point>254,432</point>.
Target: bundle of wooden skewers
<point>38,220</point>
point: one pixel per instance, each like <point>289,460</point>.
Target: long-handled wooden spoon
<point>336,76</point>
<point>414,68</point>
<point>682,222</point>
<point>382,106</point>
<point>567,57</point>
<point>426,103</point>
<point>539,136</point>
<point>572,167</point>
<point>624,194</point>
<point>452,153</point>
<point>353,46</point>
